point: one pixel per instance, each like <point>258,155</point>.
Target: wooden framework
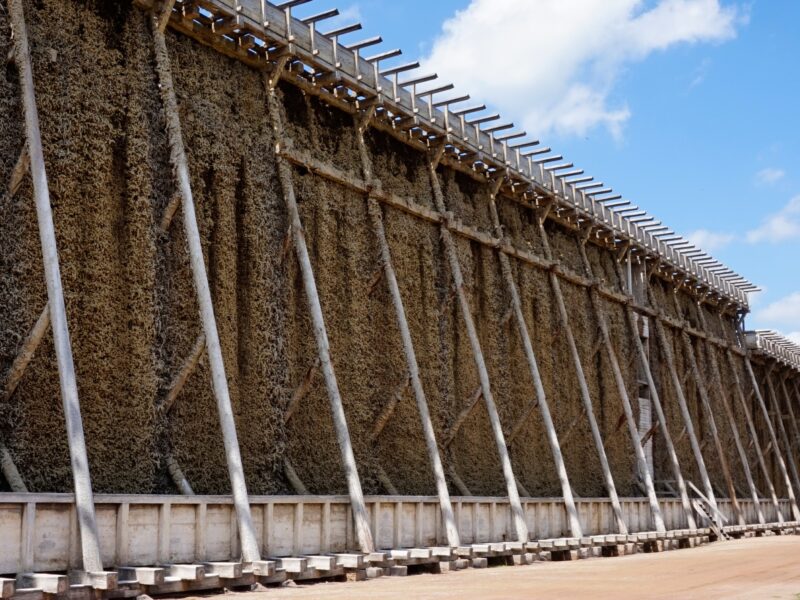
<point>286,49</point>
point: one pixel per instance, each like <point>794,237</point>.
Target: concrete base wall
<point>39,532</point>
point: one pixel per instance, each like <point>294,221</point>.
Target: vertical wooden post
<point>518,517</point>
<point>773,438</point>
<point>619,380</point>
<point>360,515</point>
<point>538,386</point>
<point>716,383</point>
<point>684,407</point>
<point>662,419</point>
<point>250,549</point>
<point>751,426</point>
<point>776,408</point>
<point>84,500</point>
<point>597,437</point>
<point>706,403</point>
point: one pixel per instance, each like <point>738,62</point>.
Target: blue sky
<point>687,107</point>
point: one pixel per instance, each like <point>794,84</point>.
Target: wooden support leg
<point>376,217</point>
<point>619,379</point>
<point>776,408</point>
<point>518,516</point>
<point>84,500</point>
<point>459,483</point>
<point>773,438</point>
<point>597,437</point>
<point>666,350</point>
<point>754,439</point>
<point>716,383</point>
<point>360,515</point>
<point>656,400</point>
<point>247,535</point>
<point>706,403</point>
<point>540,398</point>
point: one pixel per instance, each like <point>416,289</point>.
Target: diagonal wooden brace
<point>183,375</point>
<point>462,416</point>
<point>302,391</point>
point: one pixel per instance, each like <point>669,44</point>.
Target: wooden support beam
<point>517,514</point>
<point>644,361</point>
<point>294,479</point>
<point>385,480</point>
<point>555,286</point>
<point>178,478</point>
<point>247,534</point>
<point>666,350</point>
<point>82,483</point>
<point>10,472</point>
<point>302,391</point>
<point>409,206</point>
<point>388,410</point>
<point>183,374</point>
<point>170,210</point>
<point>390,277</point>
<point>512,433</point>
<point>462,416</point>
<point>360,515</point>
<point>716,384</point>
<point>164,14</point>
<point>21,167</point>
<point>784,437</point>
<point>773,438</point>
<point>25,354</point>
<point>622,391</point>
<point>457,481</point>
<point>709,412</point>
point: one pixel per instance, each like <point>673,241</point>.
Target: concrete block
<point>480,563</point>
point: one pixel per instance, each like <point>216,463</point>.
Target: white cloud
<point>710,240</point>
<point>783,313</point>
<point>781,226</point>
<point>794,336</point>
<point>769,175</point>
<point>553,64</point>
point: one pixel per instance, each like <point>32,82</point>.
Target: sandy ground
<point>751,568</point>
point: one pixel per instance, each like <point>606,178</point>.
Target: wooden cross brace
<point>388,410</point>
<point>462,416</point>
<point>302,390</point>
